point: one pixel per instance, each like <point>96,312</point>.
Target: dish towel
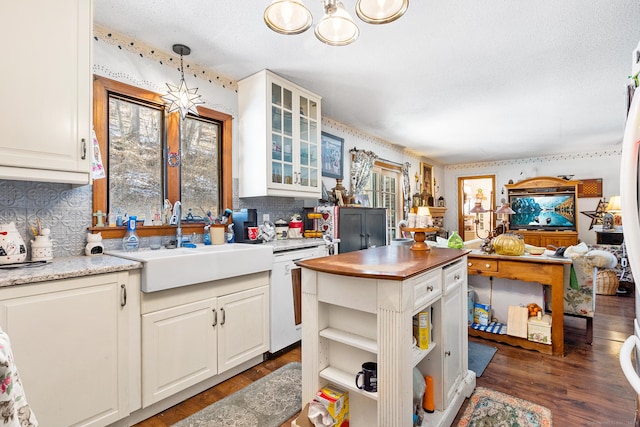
<point>97,169</point>
<point>493,327</point>
<point>14,409</point>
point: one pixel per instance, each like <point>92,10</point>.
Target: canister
<point>282,229</point>
<point>217,234</point>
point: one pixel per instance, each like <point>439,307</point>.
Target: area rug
<point>488,408</point>
<point>479,357</point>
<point>267,402</point>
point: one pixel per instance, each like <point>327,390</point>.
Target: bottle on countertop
<point>131,241</point>
<point>206,237</point>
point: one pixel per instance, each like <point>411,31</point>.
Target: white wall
<point>605,165</point>
<point>119,58</point>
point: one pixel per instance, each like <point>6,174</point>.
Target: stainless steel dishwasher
<point>286,323</point>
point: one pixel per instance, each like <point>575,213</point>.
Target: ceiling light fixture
<point>337,27</point>
<point>181,98</point>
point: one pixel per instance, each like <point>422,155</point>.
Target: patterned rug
<point>267,402</point>
<point>487,408</point>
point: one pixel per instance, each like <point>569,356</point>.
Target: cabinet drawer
<point>480,264</point>
<point>454,275</point>
<point>426,287</point>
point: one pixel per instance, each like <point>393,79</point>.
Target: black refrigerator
<point>361,228</point>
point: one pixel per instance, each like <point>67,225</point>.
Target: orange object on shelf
<point>427,401</point>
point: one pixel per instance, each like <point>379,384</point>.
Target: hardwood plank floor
<point>586,387</point>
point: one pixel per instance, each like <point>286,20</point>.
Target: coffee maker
<point>242,220</point>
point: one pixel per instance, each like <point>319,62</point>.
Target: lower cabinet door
<point>179,348</point>
<point>243,331</point>
<point>69,342</point>
<point>453,333</point>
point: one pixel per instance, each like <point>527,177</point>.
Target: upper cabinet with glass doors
<point>279,138</point>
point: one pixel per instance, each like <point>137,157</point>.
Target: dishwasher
<point>285,311</point>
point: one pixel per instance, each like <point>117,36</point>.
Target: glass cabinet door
<point>281,135</point>
<point>308,155</point>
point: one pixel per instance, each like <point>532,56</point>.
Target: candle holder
<point>419,236</point>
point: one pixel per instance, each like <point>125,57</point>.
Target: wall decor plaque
<point>590,187</point>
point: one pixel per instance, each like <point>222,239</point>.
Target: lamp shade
<point>505,209</point>
<point>614,204</point>
<point>478,208</point>
<point>288,16</point>
<point>424,210</point>
<point>336,28</point>
<point>381,11</point>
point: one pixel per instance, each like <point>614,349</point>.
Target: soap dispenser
<point>131,242</point>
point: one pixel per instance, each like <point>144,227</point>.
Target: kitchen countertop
<point>384,262</point>
<point>291,244</point>
<point>65,268</point>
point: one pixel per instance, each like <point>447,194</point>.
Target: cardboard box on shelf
<point>421,326</point>
<point>539,330</point>
<point>336,401</point>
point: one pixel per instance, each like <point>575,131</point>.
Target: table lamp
<point>478,209</point>
<point>505,210</point>
<point>614,209</point>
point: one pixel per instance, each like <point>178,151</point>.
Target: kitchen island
<point>359,307</point>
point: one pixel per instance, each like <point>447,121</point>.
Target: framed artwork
<point>332,156</point>
<point>590,188</point>
<point>426,171</point>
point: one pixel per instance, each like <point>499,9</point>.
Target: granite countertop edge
<point>65,268</point>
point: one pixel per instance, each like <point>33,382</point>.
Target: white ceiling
<point>456,81</point>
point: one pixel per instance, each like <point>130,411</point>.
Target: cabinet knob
<point>456,277</point>
<point>487,265</point>
<point>470,264</point>
<point>430,288</point>
<point>447,353</point>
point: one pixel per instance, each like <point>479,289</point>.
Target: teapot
<point>12,247</point>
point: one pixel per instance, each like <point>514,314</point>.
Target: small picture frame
<point>426,171</point>
<point>332,155</point>
<point>362,200</point>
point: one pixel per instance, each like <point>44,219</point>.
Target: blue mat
<point>479,357</point>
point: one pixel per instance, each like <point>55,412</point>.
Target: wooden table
<point>528,268</point>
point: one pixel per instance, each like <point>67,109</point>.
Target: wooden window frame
<point>102,86</point>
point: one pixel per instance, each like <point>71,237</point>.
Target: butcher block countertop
<point>384,262</point>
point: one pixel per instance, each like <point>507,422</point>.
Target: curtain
<point>406,189</point>
<point>361,165</point>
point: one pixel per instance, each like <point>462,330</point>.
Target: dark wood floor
<point>586,387</point>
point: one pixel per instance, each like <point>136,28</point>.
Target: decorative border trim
<point>534,160</point>
<point>163,58</point>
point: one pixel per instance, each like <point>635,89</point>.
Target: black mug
<point>369,373</point>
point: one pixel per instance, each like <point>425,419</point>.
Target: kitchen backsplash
<point>67,210</point>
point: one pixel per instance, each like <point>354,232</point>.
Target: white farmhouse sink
<point>172,268</point>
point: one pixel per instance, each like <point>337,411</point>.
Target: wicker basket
<point>606,282</point>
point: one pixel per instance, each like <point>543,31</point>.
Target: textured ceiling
<point>456,81</point>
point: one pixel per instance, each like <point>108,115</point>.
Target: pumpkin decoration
<point>534,309</point>
<point>509,244</point>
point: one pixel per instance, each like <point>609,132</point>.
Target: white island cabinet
<point>195,333</point>
<point>359,306</point>
<point>76,346</point>
<point>279,138</point>
<point>45,120</point>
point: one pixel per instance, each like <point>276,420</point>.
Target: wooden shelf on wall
<point>437,212</point>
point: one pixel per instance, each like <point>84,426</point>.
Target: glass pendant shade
<point>381,11</point>
<point>336,28</point>
<point>505,209</point>
<point>181,98</point>
<point>288,16</point>
<point>477,208</point>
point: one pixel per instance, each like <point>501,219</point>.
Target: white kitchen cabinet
<point>279,138</point>
<point>454,324</point>
<point>193,333</point>
<point>351,320</point>
<point>45,120</point>
<point>72,344</point>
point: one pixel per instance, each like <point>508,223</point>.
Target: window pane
<point>135,153</point>
<point>200,166</point>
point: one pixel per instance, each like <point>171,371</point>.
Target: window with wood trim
<point>150,156</point>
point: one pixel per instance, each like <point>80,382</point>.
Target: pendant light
<point>288,16</point>
<point>336,28</point>
<point>381,11</point>
<point>181,98</point>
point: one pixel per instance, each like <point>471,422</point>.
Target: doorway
<point>476,193</point>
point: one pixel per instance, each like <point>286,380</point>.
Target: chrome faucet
<point>176,218</point>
